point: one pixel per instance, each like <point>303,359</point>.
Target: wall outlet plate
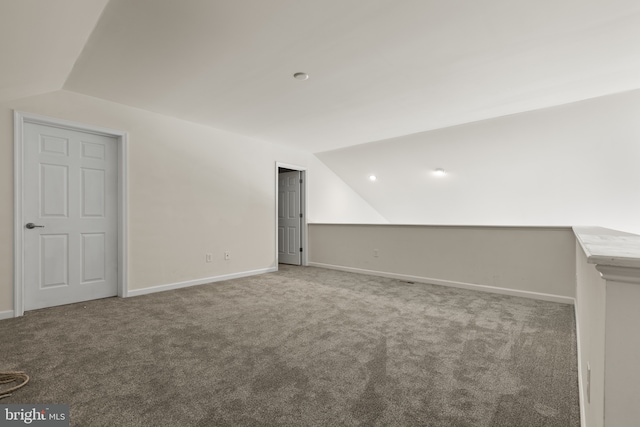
<point>588,383</point>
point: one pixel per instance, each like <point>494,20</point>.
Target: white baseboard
<point>6,314</point>
<point>581,394</point>
<point>471,286</point>
<point>178,285</point>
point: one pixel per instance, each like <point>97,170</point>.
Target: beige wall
<point>534,261</point>
<point>622,350</point>
<point>590,315</point>
<point>192,190</point>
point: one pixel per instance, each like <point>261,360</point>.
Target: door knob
<point>32,225</point>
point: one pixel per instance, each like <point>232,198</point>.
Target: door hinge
<point>300,249</point>
<point>301,215</point>
<point>300,181</point>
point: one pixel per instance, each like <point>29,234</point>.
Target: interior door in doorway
<point>289,218</point>
<point>70,212</point>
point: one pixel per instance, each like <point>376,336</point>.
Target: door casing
<point>303,207</point>
<point>20,118</point>
<point>289,252</point>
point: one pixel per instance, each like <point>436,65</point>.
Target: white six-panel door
<point>289,221</point>
<point>70,198</point>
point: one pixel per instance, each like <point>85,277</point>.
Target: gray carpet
<point>301,347</point>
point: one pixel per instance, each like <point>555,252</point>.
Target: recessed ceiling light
<point>439,172</point>
<point>372,177</point>
<point>301,76</point>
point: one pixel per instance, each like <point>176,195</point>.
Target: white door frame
<point>19,119</point>
<point>303,204</point>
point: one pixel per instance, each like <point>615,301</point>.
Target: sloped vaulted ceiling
<point>40,41</point>
<point>378,68</point>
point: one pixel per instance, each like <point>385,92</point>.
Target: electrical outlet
<point>227,255</point>
<point>375,253</point>
<point>588,383</point>
<point>208,257</point>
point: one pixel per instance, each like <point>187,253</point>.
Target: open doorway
<point>291,219</point>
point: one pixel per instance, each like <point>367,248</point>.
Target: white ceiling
<point>379,68</point>
<point>40,41</point>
